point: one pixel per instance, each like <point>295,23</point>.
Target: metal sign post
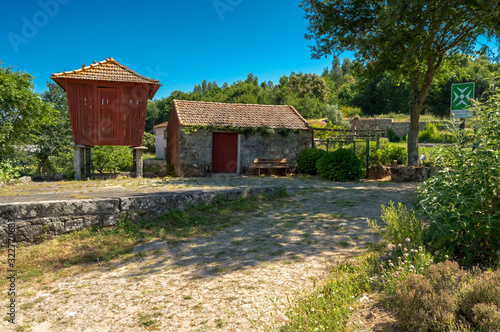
<point>461,94</point>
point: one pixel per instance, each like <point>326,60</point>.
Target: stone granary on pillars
<point>107,106</point>
<point>206,137</point>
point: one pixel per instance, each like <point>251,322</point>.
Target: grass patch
<point>343,244</point>
<point>146,320</point>
<point>219,323</point>
<point>406,117</point>
<point>329,307</point>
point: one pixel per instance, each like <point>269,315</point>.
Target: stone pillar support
<point>138,160</point>
<point>78,161</point>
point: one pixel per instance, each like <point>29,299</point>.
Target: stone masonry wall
<point>400,127</point>
<point>196,150</point>
<point>34,220</point>
<point>272,147</point>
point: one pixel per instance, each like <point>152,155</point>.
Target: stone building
<point>205,138</point>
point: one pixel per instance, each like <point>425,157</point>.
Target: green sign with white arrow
<point>461,94</point>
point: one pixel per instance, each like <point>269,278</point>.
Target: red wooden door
<point>107,121</point>
<point>224,152</point>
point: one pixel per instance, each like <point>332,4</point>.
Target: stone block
<point>411,174</point>
<point>29,233</point>
<point>379,171</point>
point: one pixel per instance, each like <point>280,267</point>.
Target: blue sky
<point>178,42</point>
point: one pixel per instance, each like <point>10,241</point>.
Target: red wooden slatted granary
<point>107,103</point>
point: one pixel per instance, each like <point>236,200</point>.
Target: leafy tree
<point>410,38</point>
<point>111,158</point>
<point>308,84</point>
<point>381,95</point>
<point>346,67</point>
<point>153,116</point>
<point>336,72</point>
<point>252,79</point>
<point>204,87</point>
<point>335,116</point>
<point>149,141</point>
<point>22,112</point>
<point>54,137</point>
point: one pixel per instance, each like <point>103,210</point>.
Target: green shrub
<point>483,289</point>
<point>429,302</point>
<point>335,116</point>
<point>149,141</point>
<point>400,224</point>
<point>446,276</point>
<point>111,158</point>
<point>361,152</point>
<point>446,298</point>
<point>350,112</point>
<point>435,133</point>
<point>418,306</point>
<point>392,136</point>
<point>324,134</point>
<point>410,260</point>
<point>306,160</point>
<point>340,165</point>
<point>461,203</point>
<point>9,171</point>
<point>389,152</point>
<point>486,317</point>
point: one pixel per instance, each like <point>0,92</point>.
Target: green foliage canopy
<point>22,111</point>
<point>409,38</point>
<point>462,201</point>
<point>53,138</point>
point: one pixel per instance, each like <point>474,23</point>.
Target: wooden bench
<point>259,164</point>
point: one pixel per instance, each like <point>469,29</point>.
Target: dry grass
<point>69,254</point>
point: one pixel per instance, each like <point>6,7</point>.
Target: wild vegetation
<point>344,90</point>
<point>438,269</point>
<point>411,40</point>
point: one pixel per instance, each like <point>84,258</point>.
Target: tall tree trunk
<point>413,133</point>
<point>419,96</point>
<point>44,165</point>
<point>414,120</point>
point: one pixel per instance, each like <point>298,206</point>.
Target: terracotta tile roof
<point>161,125</point>
<point>107,70</point>
<point>192,113</point>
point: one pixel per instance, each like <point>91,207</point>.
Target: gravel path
<point>236,280</point>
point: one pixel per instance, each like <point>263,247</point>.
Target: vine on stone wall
<point>247,131</point>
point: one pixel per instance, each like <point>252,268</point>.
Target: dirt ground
<point>240,279</point>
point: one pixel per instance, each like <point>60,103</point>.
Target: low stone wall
<point>411,174</point>
<point>401,128</point>
<point>35,220</point>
